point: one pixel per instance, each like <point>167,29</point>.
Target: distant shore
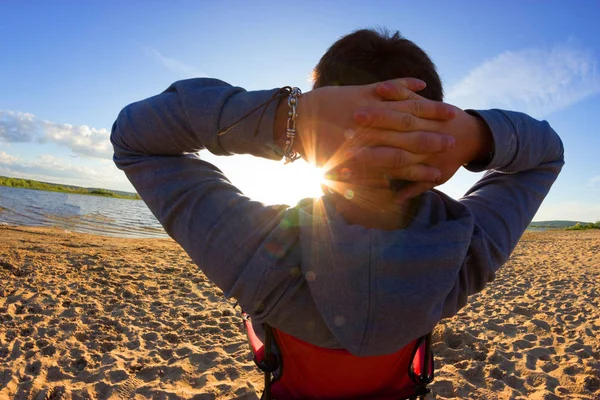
<point>55,187</point>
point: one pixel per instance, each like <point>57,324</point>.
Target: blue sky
<point>67,68</point>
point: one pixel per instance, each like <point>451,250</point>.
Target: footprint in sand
<point>128,389</point>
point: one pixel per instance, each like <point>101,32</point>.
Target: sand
<point>90,317</point>
<point>533,333</point>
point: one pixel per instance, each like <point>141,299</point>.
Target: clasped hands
<point>373,134</point>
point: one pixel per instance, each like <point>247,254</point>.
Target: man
<point>310,270</point>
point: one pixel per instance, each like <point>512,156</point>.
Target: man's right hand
<point>473,138</point>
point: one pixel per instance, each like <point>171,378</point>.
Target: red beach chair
<point>295,369</point>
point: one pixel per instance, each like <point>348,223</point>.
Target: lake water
<point>79,213</point>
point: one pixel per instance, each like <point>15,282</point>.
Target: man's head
<point>368,56</point>
<point>361,58</point>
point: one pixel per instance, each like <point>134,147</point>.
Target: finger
<point>400,89</point>
<point>383,118</point>
<point>380,182</point>
<point>413,190</point>
<point>413,173</point>
<point>383,157</point>
<point>415,142</point>
<point>423,108</point>
<point>358,174</point>
<point>416,173</point>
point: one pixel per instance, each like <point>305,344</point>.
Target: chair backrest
<point>295,369</point>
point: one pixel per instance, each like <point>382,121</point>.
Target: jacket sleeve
<point>156,143</point>
<point>528,158</point>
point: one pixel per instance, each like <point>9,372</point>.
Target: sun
<point>270,182</point>
<point>304,180</point>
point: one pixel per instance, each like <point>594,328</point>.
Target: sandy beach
<point>91,317</point>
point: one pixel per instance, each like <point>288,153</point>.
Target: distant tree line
<point>581,227</point>
<point>51,187</point>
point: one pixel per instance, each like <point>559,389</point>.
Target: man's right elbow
<point>121,129</point>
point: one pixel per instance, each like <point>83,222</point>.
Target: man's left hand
<point>378,156</point>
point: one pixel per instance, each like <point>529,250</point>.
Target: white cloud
<point>535,81</point>
<point>48,168</point>
<point>82,140</point>
<point>7,159</point>
<point>174,65</point>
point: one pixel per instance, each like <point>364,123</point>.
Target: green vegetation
<point>584,226</point>
<point>566,225</point>
<point>554,224</point>
<point>53,187</point>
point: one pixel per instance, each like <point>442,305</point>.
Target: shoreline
<point>98,317</point>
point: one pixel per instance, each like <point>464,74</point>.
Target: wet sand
<point>90,317</point>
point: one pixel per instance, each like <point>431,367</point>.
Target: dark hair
<point>368,56</point>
